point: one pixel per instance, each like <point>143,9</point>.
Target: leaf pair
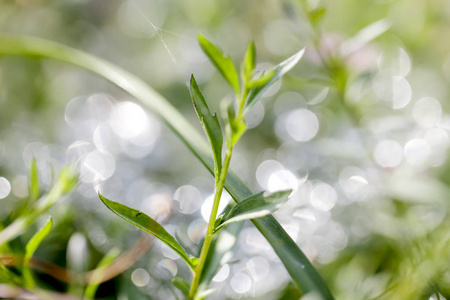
<point>149,225</point>
<point>253,207</point>
<point>255,87</point>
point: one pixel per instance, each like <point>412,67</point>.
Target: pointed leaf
<point>210,123</point>
<point>34,182</point>
<point>249,61</point>
<point>278,72</point>
<point>255,206</point>
<point>221,62</point>
<point>182,285</point>
<point>149,225</point>
<point>30,248</point>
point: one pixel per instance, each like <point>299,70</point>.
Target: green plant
<point>301,270</point>
<point>248,90</point>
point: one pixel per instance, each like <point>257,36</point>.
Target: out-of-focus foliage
<point>359,130</point>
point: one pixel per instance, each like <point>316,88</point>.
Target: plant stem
<point>212,220</point>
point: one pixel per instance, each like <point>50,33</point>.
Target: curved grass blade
<point>269,78</point>
<point>301,270</point>
<point>221,62</point>
<point>149,225</point>
<point>255,206</point>
<point>210,124</point>
<point>30,248</point>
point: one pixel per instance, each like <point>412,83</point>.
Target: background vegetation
<point>358,129</point>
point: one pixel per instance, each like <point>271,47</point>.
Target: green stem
<point>212,220</point>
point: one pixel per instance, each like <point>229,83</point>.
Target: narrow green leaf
<point>210,123</point>
<point>221,62</point>
<point>296,263</point>
<point>182,285</point>
<point>35,189</point>
<point>97,276</point>
<point>149,225</point>
<point>30,248</point>
<point>249,61</point>
<point>275,73</point>
<point>255,206</point>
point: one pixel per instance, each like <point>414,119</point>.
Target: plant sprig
<point>301,270</point>
<point>247,92</point>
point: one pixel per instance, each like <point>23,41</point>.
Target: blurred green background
<point>358,129</point>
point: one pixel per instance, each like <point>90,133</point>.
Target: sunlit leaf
<point>221,62</point>
<point>35,189</point>
<point>182,285</point>
<point>99,272</point>
<point>31,247</point>
<point>253,207</point>
<point>275,73</point>
<point>210,123</point>
<point>149,225</point>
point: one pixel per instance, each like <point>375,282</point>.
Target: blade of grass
<point>301,270</point>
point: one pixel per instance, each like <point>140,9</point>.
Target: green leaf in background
<point>149,225</point>
<point>210,124</point>
<point>249,61</point>
<point>98,274</point>
<point>30,248</point>
<point>296,263</point>
<point>221,62</point>
<point>255,206</point>
<point>35,189</point>
<point>182,285</point>
<point>276,73</point>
